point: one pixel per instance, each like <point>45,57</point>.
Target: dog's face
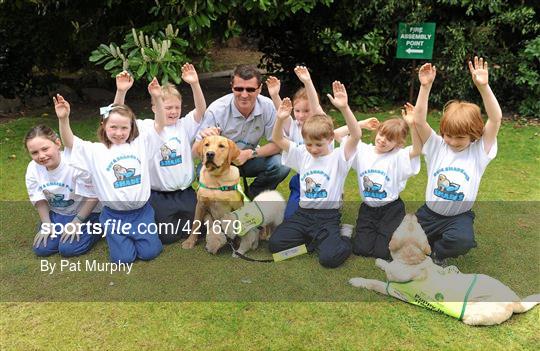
<point>215,241</point>
<point>409,243</point>
<point>217,153</point>
<point>310,183</point>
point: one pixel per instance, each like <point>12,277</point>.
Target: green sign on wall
<point>415,41</point>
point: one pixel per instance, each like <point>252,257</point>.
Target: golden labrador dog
<point>217,183</point>
<point>476,299</point>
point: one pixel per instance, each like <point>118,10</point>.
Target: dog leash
<point>238,188</point>
<point>242,256</point>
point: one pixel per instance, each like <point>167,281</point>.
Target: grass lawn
<point>192,300</point>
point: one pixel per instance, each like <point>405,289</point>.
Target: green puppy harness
<point>437,292</point>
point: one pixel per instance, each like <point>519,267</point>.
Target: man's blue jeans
<point>269,172</point>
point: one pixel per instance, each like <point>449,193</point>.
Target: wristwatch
<point>254,153</point>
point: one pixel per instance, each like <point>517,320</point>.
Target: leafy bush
<point>529,78</point>
<point>357,45</point>
<point>44,37</point>
<point>145,56</point>
<point>348,40</point>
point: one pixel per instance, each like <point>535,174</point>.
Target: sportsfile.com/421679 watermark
<point>114,226</point>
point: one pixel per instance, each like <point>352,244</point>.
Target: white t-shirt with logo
<point>322,178</point>
<point>171,166</point>
<point>120,173</point>
<point>454,177</point>
<point>381,177</point>
<point>64,187</point>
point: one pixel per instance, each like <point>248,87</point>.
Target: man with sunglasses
<point>245,116</point>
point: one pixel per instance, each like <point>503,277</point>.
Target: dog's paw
<point>379,262</point>
<point>265,232</point>
<point>188,244</point>
<point>358,282</point>
<point>234,255</point>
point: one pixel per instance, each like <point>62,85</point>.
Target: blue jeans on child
<point>139,241</point>
<point>67,249</point>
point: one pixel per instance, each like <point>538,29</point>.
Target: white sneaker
<point>346,230</point>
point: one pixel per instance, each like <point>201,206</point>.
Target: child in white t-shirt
<point>322,173</point>
<point>118,165</point>
<point>383,169</point>
<point>305,104</point>
<point>171,166</point>
<point>455,161</point>
<point>63,196</point>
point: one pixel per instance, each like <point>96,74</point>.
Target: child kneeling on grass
<point>64,196</point>
<point>382,170</point>
<point>456,160</point>
<point>322,172</point>
<point>119,167</point>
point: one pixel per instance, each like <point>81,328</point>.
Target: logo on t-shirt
<point>125,176</point>
<point>57,200</point>
<point>447,190</point>
<point>169,157</point>
<point>313,189</point>
<point>372,189</point>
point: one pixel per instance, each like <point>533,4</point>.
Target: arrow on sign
<point>414,51</point>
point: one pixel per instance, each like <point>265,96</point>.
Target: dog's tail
<point>527,303</point>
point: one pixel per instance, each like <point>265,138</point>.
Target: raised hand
<point>407,112</point>
<point>154,88</point>
<point>189,74</point>
<point>339,100</point>
<point>285,109</point>
<point>124,81</point>
<point>426,74</point>
<point>274,85</point>
<point>302,73</point>
<point>479,71</point>
<point>371,123</point>
<point>61,107</point>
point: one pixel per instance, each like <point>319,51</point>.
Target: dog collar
<point>222,188</point>
<point>235,187</point>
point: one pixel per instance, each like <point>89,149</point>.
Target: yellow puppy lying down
<point>476,299</point>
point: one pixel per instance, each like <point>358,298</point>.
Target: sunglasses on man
<point>248,89</point>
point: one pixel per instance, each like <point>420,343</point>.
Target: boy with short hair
<point>322,171</point>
